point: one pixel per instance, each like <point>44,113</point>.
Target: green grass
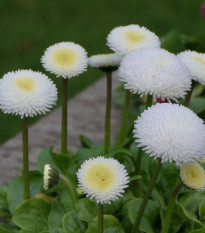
<point>28,27</point>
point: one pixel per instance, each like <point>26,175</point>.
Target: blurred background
<point>28,27</point>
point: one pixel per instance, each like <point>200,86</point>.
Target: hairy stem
<point>123,128</point>
<point>64,117</point>
<point>25,159</point>
<point>135,228</point>
<point>108,113</point>
<point>166,222</point>
<point>100,218</point>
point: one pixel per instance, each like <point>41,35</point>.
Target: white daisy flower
<point>156,72</point>
<point>27,93</point>
<point>102,179</point>
<point>195,62</point>
<point>193,176</point>
<point>51,177</point>
<point>171,132</point>
<point>65,59</point>
<point>124,39</point>
<point>105,62</point>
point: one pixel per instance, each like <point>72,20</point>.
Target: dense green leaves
<point>32,215</point>
<point>15,189</point>
<point>111,225</point>
<point>71,223</point>
<point>86,209</point>
<point>56,214</point>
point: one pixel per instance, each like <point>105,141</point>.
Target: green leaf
<point>87,209</point>
<point>65,199</point>
<point>32,215</point>
<point>64,163</point>
<point>197,104</point>
<point>85,153</point>
<point>87,142</point>
<point>6,228</point>
<point>135,177</point>
<point>172,42</point>
<point>116,206</point>
<point>201,230</point>
<point>202,209</point>
<point>189,215</point>
<point>71,223</point>
<point>168,178</point>
<point>6,214</point>
<point>56,214</point>
<point>16,187</point>
<point>191,200</point>
<point>45,158</point>
<point>126,223</point>
<point>151,212</point>
<point>147,168</point>
<point>3,196</point>
<point>111,225</point>
<point>124,157</point>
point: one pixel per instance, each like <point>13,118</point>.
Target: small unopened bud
<point>51,177</point>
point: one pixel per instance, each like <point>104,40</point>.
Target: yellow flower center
<point>200,59</point>
<point>134,36</point>
<point>193,175</point>
<point>26,83</point>
<point>64,57</point>
<point>100,176</point>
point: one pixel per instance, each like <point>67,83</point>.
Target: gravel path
<point>85,116</point>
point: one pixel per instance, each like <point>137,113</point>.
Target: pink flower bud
<point>159,100</point>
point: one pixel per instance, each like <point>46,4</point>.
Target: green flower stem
<point>135,228</point>
<point>123,128</point>
<point>166,222</point>
<point>25,159</point>
<point>138,161</point>
<point>70,189</point>
<point>188,96</point>
<point>64,117</point>
<point>108,113</point>
<point>139,155</point>
<point>100,218</point>
<point>149,101</point>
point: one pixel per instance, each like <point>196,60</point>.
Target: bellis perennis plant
<point>149,179</point>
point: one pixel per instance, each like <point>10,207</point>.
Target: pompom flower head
<point>171,132</point>
<point>102,179</point>
<point>105,62</point>
<point>195,63</point>
<point>26,93</point>
<point>155,72</point>
<point>124,39</point>
<point>193,176</point>
<point>65,59</point>
<point>51,177</point>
